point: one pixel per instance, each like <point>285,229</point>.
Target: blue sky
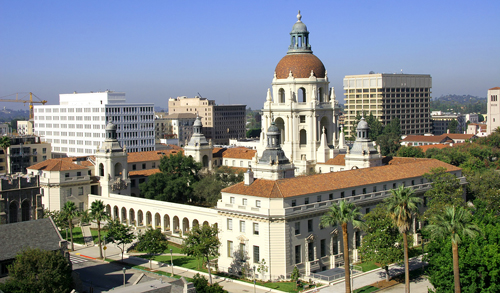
<point>227,50</point>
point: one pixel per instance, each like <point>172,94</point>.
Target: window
<point>257,203</point>
<point>322,245</point>
<point>297,228</point>
<point>229,248</point>
<point>297,254</point>
<point>132,183</point>
<point>306,200</point>
<point>310,252</point>
<point>231,199</point>
<point>154,165</point>
<point>134,167</point>
<point>255,228</point>
<point>80,190</point>
<point>330,196</point>
<point>294,202</point>
<point>302,119</point>
<point>374,188</point>
<point>44,150</point>
<point>242,226</point>
<point>309,225</point>
<point>143,166</point>
<point>244,202</point>
<point>242,252</point>
<point>70,191</point>
<point>353,192</point>
<point>393,185</point>
<point>230,224</point>
<point>78,173</point>
<point>318,198</point>
<point>81,206</point>
<point>367,210</point>
<point>66,175</point>
<point>256,254</point>
<point>385,187</point>
<point>364,190</point>
<point>335,246</point>
<point>342,194</point>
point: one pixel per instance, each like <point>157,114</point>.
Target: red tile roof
<point>64,164</point>
<point>239,153</point>
<point>433,146</point>
<point>460,136</point>
<point>339,160</point>
<point>147,172</point>
<point>405,169</point>
<point>217,152</point>
<point>150,155</point>
<point>495,88</point>
<point>433,138</point>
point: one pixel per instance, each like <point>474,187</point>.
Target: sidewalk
<point>112,252</point>
<point>371,277</point>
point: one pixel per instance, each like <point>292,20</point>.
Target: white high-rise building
<point>76,127</point>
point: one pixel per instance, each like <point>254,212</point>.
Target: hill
<point>463,104</point>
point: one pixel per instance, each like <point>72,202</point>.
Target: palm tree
<point>343,214</point>
<point>98,213</point>
<point>70,211</point>
<point>402,207</point>
<point>455,221</point>
<point>5,144</point>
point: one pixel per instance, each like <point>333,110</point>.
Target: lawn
<point>78,237</point>
<point>175,249</point>
<point>368,266</point>
<point>366,289</point>
<point>187,262</point>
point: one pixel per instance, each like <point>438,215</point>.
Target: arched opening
<point>108,210</point>
<point>205,161</point>
<point>118,169</point>
<point>116,215</point>
<point>303,136</point>
<point>157,221</point>
<point>148,219</point>
<point>132,217</point>
<point>281,96</point>
<point>13,207</point>
<point>195,223</point>
<point>166,222</point>
<point>25,210</point>
<point>124,215</point>
<point>323,124</point>
<point>206,223</point>
<point>281,126</point>
<point>176,224</point>
<point>101,169</point>
<point>321,98</point>
<point>185,225</point>
<point>302,95</point>
<point>140,218</point>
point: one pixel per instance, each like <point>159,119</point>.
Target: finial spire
<point>299,17</point>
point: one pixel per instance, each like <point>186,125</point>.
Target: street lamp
<point>254,279</point>
<point>171,262</point>
<point>124,270</point>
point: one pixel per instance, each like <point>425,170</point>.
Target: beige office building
<point>387,96</point>
<point>493,117</point>
<point>220,122</point>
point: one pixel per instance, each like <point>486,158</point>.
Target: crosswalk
<point>77,259</point>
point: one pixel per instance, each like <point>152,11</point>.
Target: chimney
<point>448,131</point>
<point>248,177</point>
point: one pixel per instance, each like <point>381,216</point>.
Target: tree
<point>402,207</point>
<point>5,144</point>
<point>262,268</point>
<point>455,221</point>
<point>453,126</point>
<point>343,214</point>
<point>381,241</point>
<point>295,275</point>
<point>410,151</point>
<point>376,127</point>
<point>58,219</point>
<point>208,189</point>
<point>202,242</point>
<point>153,242</point>
<point>36,270</point>
<point>120,234</point>
<point>98,213</point>
<point>70,211</point>
<point>175,181</point>
<point>201,285</point>
<point>446,191</point>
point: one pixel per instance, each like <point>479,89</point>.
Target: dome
<point>362,124</point>
<point>300,65</point>
<point>273,129</point>
<point>197,122</point>
<point>110,126</point>
<point>299,27</point>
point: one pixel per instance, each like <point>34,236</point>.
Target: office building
<point>387,96</point>
<point>76,127</point>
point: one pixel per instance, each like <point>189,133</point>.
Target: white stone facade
<point>493,117</point>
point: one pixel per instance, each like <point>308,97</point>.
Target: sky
<point>227,50</point>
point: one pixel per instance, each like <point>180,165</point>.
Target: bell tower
<point>198,147</point>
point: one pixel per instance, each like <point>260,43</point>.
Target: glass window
<point>297,228</point>
<point>242,252</point>
<point>294,202</point>
<point>66,175</point>
<point>230,224</point>
<point>80,190</point>
<point>306,200</point>
<point>342,194</point>
<point>244,201</point>
<point>229,248</point>
<point>231,200</point>
<point>256,228</point>
<point>78,173</point>
<point>318,198</point>
<point>256,254</point>
<point>322,247</point>
<point>330,196</point>
<point>297,254</point>
<point>310,252</point>
<point>257,203</point>
<point>242,226</point>
<point>309,225</point>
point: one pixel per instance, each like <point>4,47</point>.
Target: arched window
<point>25,210</point>
<point>13,212</point>
<point>303,136</point>
<point>320,95</point>
<point>205,161</point>
<point>101,169</point>
<point>118,169</point>
<point>281,96</point>
<point>302,95</point>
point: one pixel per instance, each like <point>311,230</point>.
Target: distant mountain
<point>463,104</point>
<point>7,115</point>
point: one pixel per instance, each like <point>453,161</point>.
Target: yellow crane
<point>22,100</point>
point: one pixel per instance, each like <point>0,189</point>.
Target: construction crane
<point>22,100</point>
